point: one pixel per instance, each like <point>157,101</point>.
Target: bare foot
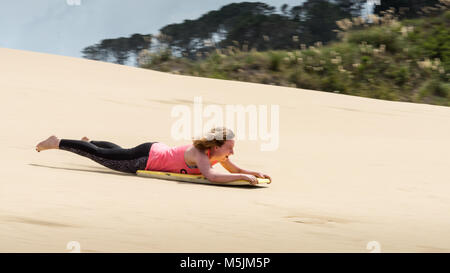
<point>85,139</point>
<point>50,143</point>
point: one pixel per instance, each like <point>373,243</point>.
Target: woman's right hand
<point>250,178</point>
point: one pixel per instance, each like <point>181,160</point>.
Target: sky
<point>65,27</point>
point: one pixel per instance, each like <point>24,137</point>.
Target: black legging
<point>109,154</point>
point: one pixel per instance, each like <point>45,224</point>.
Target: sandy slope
<point>348,170</point>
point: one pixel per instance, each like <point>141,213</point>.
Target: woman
<point>197,158</point>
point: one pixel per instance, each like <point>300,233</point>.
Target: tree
<point>252,23</point>
<point>189,37</point>
<point>118,49</point>
<point>317,27</point>
<point>405,8</point>
<point>351,7</point>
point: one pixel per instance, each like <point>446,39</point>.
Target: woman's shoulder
<point>192,149</point>
<point>196,153</point>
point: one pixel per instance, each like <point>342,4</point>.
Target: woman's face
<point>222,153</point>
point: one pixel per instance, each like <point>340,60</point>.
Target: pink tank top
<point>170,159</point>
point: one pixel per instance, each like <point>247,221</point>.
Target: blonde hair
<point>215,137</point>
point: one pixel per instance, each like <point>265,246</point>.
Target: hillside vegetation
<point>406,60</point>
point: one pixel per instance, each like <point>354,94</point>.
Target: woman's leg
<point>104,144</point>
<point>122,160</point>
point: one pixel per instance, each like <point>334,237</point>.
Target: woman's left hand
<point>262,175</point>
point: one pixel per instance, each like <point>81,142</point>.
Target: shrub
<point>377,37</point>
<point>275,60</point>
<point>305,80</point>
<point>399,74</point>
<point>436,88</point>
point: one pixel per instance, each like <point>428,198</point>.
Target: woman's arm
<point>233,168</point>
<point>230,166</point>
<point>214,176</point>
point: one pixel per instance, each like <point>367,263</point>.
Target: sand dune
<point>348,170</point>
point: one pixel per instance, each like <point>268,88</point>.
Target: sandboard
<point>195,178</point>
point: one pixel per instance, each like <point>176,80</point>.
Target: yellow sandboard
<point>194,178</point>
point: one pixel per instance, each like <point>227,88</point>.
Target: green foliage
<point>414,7</point>
<point>251,24</point>
<point>305,80</point>
<point>275,60</point>
<point>400,74</point>
<point>402,61</point>
<point>218,75</point>
<point>160,57</point>
<point>335,83</point>
<point>117,49</point>
<point>215,58</point>
<point>431,37</point>
<point>436,88</point>
<point>377,37</point>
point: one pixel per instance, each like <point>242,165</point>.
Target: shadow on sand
<point>140,177</point>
